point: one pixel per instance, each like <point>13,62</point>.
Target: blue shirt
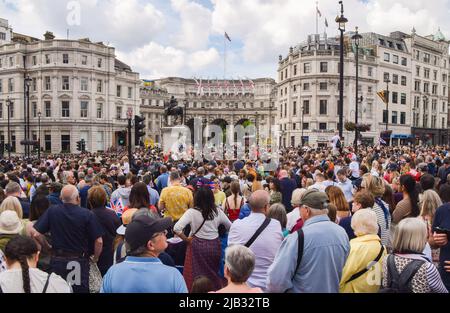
<point>245,211</point>
<point>143,275</point>
<point>287,188</point>
<point>154,196</point>
<point>326,248</point>
<point>73,228</point>
<point>161,181</point>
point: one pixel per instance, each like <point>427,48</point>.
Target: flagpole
<point>317,17</point>
<point>224,56</point>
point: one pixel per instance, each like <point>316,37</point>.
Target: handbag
<point>95,277</point>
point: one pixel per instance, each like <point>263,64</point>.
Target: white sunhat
<point>10,223</point>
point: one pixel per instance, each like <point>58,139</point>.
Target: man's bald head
<point>259,200</point>
<point>69,194</point>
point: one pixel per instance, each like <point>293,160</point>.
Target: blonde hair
<point>410,235</point>
<point>430,201</point>
<point>364,222</point>
<point>12,204</point>
<point>297,195</point>
<point>373,184</point>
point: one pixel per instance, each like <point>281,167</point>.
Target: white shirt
<point>334,141</point>
<point>347,189</point>
<point>11,282</point>
<point>265,246</point>
<point>292,218</point>
<point>209,230</point>
<point>354,166</point>
<point>319,186</point>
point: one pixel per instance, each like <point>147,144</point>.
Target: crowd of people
<point>325,220</point>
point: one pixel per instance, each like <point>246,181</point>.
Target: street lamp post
<point>303,113</point>
<point>356,38</point>
<point>341,20</point>
<point>386,97</point>
<point>8,104</point>
<point>39,135</point>
<point>27,116</point>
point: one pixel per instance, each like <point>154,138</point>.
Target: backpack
<point>338,144</point>
<point>400,282</point>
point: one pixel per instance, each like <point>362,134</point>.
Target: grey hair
<point>240,262</point>
<point>12,187</point>
<point>278,212</point>
<point>410,234</point>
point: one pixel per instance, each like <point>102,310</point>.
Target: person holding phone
<point>441,232</point>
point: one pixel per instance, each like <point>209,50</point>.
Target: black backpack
<point>400,282</point>
<point>338,144</point>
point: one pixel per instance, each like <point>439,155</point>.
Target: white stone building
<point>220,102</point>
<point>81,90</point>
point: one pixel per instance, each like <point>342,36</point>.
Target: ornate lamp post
<point>341,20</point>
<point>356,38</point>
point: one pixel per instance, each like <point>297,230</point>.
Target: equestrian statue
<point>171,108</point>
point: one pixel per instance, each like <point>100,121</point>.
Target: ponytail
<point>25,274</point>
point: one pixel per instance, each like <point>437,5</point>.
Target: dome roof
<point>439,36</point>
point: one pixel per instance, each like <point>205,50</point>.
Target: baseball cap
<point>126,219</point>
<point>142,228</point>
<point>315,199</point>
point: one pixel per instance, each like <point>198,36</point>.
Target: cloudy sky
<point>160,38</point>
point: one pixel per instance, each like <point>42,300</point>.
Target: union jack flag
<point>117,206</point>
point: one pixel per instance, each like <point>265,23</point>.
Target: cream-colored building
<point>219,102</point>
<point>79,89</point>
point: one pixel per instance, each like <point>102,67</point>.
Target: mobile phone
<point>440,230</point>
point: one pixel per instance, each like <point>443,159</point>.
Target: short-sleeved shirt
<point>177,200</point>
<point>71,226</point>
<point>442,220</point>
<point>143,275</point>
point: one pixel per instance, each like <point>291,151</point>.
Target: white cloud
<point>195,26</point>
<point>154,60</point>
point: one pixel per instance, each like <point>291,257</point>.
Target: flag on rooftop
<point>227,37</point>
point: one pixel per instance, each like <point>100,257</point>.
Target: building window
<point>306,86</point>
<point>295,70</point>
<point>34,84</point>
<point>322,126</point>
<point>434,89</point>
<point>48,142</point>
<point>426,57</point>
<point>306,107</point>
<point>34,60</point>
<point>426,72</point>
<point>385,116</point>
<point>11,61</point>
<point>65,58</point>
<point>323,67</point>
<point>119,91</point>
<point>99,63</point>
<point>323,107</point>
<point>47,59</point>
<point>417,85</point>
<point>130,92</point>
<point>425,87</point>
<point>84,83</point>
<point>65,109</point>
<point>394,117</point>
<point>84,60</point>
<point>1,110</point>
<point>404,62</point>
<point>369,71</point>
<point>387,57</point>
<point>65,83</point>
<point>34,109</point>
<point>434,75</point>
<point>2,36</point>
<point>1,86</point>
<point>10,84</point>
<point>403,81</point>
<point>305,125</point>
<point>83,109</point>
<point>307,68</point>
<point>99,110</point>
<point>65,143</point>
<point>118,113</point>
<point>99,85</point>
<point>48,108</point>
<point>395,79</point>
<point>48,83</point>
<point>295,89</point>
<point>323,86</point>
<point>402,118</point>
<point>394,97</point>
<point>418,71</point>
<point>403,98</point>
<point>294,108</point>
<point>395,59</point>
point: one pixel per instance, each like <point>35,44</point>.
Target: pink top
<point>230,290</point>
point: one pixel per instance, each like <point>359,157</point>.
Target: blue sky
<point>160,38</point>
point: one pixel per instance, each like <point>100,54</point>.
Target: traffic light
<point>139,126</point>
<point>81,145</point>
<point>122,138</point>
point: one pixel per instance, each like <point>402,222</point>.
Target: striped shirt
<point>427,278</point>
<point>384,222</point>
